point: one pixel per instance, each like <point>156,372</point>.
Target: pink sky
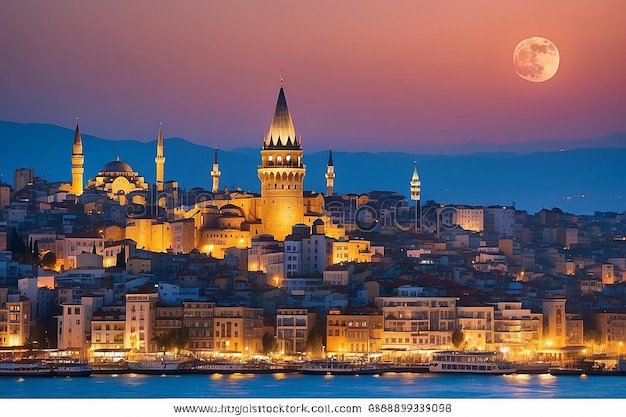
<point>359,75</point>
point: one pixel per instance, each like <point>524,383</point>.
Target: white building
<point>412,323</point>
<point>140,320</point>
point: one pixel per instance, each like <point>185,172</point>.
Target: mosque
<point>218,220</point>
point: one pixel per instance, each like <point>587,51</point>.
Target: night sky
<point>359,75</point>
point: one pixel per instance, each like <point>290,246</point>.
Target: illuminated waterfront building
<point>238,330</point>
<point>292,329</point>
<point>140,320</point>
<point>359,332</point>
<point>14,319</point>
<point>417,322</point>
<point>517,329</point>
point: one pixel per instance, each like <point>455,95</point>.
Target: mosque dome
<point>117,166</point>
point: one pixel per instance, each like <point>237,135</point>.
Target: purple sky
<point>359,75</point>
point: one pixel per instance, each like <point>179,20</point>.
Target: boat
<point>110,368</point>
<point>470,362</point>
<point>562,370</point>
<point>532,368</point>
<point>410,367</point>
<point>155,366</point>
<point>339,367</point>
<point>233,367</point>
<point>71,368</point>
<point>25,368</point>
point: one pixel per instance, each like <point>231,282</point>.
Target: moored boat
<point>566,371</point>
<point>532,368</point>
<point>338,367</point>
<point>71,369</point>
<point>24,368</point>
<point>233,367</point>
<point>470,362</point>
<point>156,366</point>
<point>110,368</point>
<point>411,367</point>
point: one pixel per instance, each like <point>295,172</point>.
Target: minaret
<point>160,160</point>
<point>415,195</point>
<point>78,159</point>
<point>330,174</point>
<point>281,173</point>
<point>215,173</point>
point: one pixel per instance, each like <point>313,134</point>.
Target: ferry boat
<point>470,362</point>
<point>110,368</point>
<point>71,369</point>
<point>155,366</point>
<point>234,367</point>
<point>338,367</point>
<point>24,368</point>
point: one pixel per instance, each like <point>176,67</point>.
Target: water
<point>388,385</point>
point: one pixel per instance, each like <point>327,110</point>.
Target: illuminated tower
<point>215,173</point>
<point>415,195</point>
<point>330,174</point>
<point>281,173</point>
<point>160,160</point>
<point>78,159</point>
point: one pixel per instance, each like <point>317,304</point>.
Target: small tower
<point>215,173</point>
<point>78,159</point>
<point>330,174</point>
<point>415,195</point>
<point>160,160</point>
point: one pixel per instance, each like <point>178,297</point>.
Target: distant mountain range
<point>580,176</point>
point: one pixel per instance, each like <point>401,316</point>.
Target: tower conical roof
<point>215,156</point>
<point>415,177</point>
<point>330,158</point>
<point>77,139</point>
<point>160,137</point>
<point>281,132</point>
<point>77,147</point>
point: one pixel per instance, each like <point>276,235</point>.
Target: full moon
<point>536,59</point>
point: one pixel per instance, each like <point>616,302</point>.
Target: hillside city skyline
<point>114,267</point>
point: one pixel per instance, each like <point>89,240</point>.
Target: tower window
<point>279,160</point>
<point>288,158</point>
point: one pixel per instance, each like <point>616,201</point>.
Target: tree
<point>120,259</point>
<point>315,343</point>
<point>458,338</point>
<point>174,340</point>
<point>270,344</point>
<point>593,337</point>
<point>49,260</point>
<point>36,250</point>
<point>17,246</point>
